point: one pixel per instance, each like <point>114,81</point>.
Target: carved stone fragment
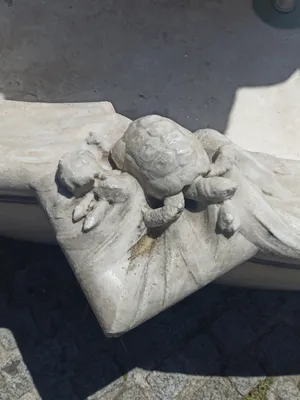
<point>146,212</point>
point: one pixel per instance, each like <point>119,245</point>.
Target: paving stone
<point>85,330</point>
<point>154,340</point>
<point>244,385</point>
<point>18,320</point>
<point>130,386</point>
<point>233,331</point>
<point>167,385</point>
<point>136,393</point>
<point>47,359</point>
<point>3,356</point>
<point>133,379</point>
<point>283,388</point>
<point>3,388</point>
<point>262,309</point>
<point>31,396</point>
<point>214,299</point>
<point>56,389</point>
<point>137,376</point>
<point>111,391</point>
<point>16,377</point>
<point>244,374</point>
<point>281,349</point>
<point>42,288</point>
<point>95,371</point>
<point>195,383</point>
<point>290,312</point>
<point>77,351</point>
<point>216,388</point>
<point>149,343</point>
<point>7,339</point>
<point>199,358</point>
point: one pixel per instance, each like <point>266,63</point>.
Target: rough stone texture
<point>283,389</point>
<point>136,393</point>
<point>16,377</point>
<point>251,372</point>
<point>111,391</point>
<point>7,340</point>
<point>167,385</point>
<point>131,385</point>
<point>30,396</point>
<point>217,388</point>
<point>200,354</point>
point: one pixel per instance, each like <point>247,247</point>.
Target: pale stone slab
<point>284,388</point>
<point>267,119</point>
<point>216,388</point>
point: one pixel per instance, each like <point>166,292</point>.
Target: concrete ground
<point>231,65</point>
<point>221,343</point>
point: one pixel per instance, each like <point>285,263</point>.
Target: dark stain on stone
<point>12,368</point>
<point>143,246</point>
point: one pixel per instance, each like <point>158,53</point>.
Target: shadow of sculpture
<point>218,331</point>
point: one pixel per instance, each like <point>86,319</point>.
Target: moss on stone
<point>260,392</point>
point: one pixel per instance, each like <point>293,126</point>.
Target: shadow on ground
<point>181,58</point>
<point>217,331</point>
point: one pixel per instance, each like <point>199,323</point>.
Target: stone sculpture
<point>171,164</point>
<point>102,181</point>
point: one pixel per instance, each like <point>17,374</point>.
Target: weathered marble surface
<point>128,272</point>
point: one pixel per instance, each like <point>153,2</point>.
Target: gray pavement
<point>221,343</point>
